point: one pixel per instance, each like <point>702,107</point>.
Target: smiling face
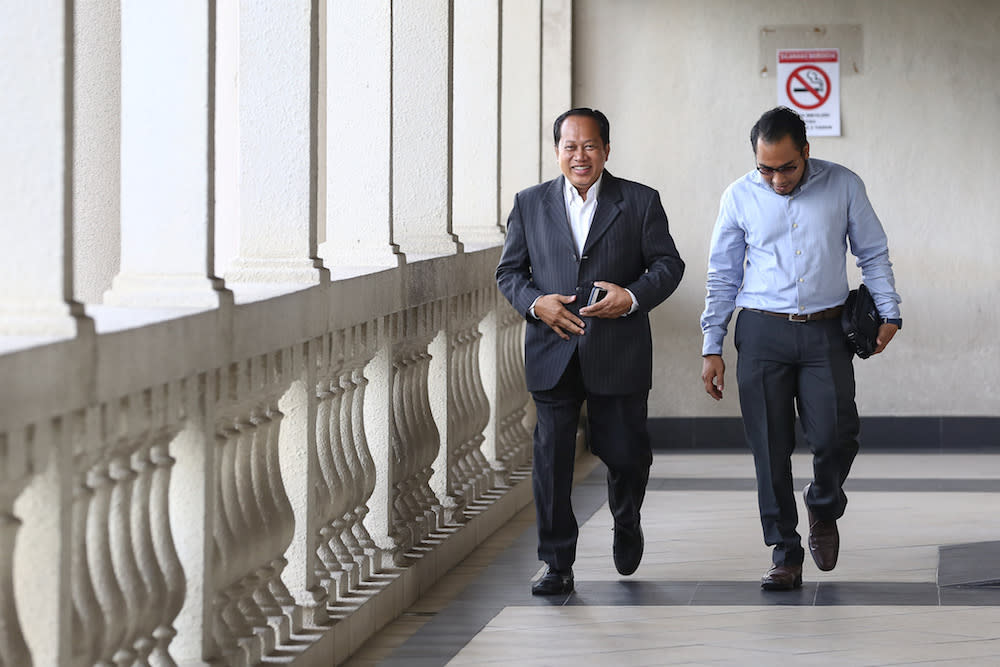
<point>781,164</point>
<point>581,152</point>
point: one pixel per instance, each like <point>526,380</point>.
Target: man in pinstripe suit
<point>584,230</point>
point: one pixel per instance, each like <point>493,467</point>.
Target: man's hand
<point>885,334</point>
<point>713,370</point>
<point>551,309</point>
<point>614,305</point>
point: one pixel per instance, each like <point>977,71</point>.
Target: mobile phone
<point>596,294</point>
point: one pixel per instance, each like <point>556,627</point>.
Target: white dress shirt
<point>581,211</point>
<point>788,253</point>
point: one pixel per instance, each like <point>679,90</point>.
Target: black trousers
<point>782,365</point>
<point>618,435</point>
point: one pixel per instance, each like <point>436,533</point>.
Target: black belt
<point>828,314</point>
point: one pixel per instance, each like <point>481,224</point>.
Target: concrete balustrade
<point>318,570</point>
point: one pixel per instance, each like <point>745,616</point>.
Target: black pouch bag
<point>860,321</point>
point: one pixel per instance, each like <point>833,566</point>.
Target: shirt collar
<point>572,195</point>
<point>813,168</point>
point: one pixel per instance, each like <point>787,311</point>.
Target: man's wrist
<point>531,309</point>
<point>635,303</point>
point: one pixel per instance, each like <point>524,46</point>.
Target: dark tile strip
<point>887,485</point>
<point>749,593</point>
<point>943,434</point>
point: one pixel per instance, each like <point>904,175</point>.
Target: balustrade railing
<point>222,511</point>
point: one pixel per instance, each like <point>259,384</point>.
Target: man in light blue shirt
<point>779,254</point>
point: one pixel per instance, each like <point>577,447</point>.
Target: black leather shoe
<point>554,582</point>
<point>628,548</point>
<point>782,578</point>
<point>824,539</point>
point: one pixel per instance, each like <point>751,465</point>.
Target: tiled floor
<point>917,581</point>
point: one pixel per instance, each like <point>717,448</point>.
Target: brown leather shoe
<point>824,539</point>
<point>782,578</point>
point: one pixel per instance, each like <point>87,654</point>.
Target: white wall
<point>921,126</point>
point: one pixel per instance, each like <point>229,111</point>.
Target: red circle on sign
<point>796,75</point>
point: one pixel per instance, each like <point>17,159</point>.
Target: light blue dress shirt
<point>788,253</point>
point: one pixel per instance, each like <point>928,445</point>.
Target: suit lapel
<point>555,212</point>
<point>608,208</point>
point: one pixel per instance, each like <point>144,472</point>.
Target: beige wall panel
<point>921,126</point>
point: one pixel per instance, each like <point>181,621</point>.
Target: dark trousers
<point>782,365</point>
<point>618,436</point>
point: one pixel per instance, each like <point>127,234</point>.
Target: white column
<point>356,121</point>
<point>476,114</point>
<point>520,100</point>
<point>421,138</point>
<point>96,147</point>
<point>276,145</point>
<point>226,135</point>
<point>167,152</point>
<point>35,172</point>
<point>557,74</point>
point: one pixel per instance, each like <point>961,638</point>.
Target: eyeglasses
<point>784,169</point>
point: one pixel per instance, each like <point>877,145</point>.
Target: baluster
<point>355,474</point>
<point>165,552</point>
<point>332,577</point>
<point>231,558</point>
<point>341,499</point>
<point>517,437</point>
<point>457,414</point>
<point>284,530</point>
<point>258,506</point>
<point>480,413</point>
<point>403,521</point>
<point>430,442</point>
<point>470,430</point>
<point>416,414</point>
<point>13,648</point>
<point>126,570</point>
<point>504,394</point>
<point>457,488</point>
<point>99,556</point>
<point>253,541</point>
<point>88,620</point>
<point>368,468</point>
<point>154,582</point>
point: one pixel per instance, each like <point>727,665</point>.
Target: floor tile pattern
<point>918,581</point>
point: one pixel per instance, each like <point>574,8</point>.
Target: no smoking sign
<point>808,87</point>
<point>809,83</point>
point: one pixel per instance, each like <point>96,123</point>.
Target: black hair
<point>775,125</point>
<point>602,123</point>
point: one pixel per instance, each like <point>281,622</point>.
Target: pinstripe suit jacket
<point>629,244</point>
